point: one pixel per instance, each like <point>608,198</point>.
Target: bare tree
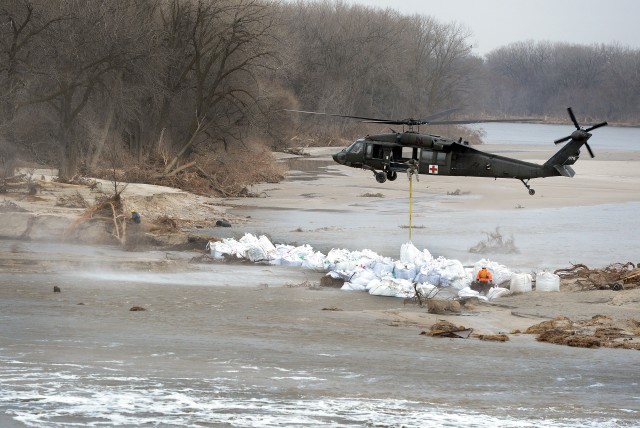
<point>77,58</point>
<point>228,42</point>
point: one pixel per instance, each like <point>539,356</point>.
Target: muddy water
<point>269,353</point>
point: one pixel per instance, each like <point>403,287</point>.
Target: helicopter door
<point>374,151</point>
<point>402,156</point>
<point>434,162</point>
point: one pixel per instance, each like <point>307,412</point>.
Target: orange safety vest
<point>484,275</point>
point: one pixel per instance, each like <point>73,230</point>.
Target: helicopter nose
<point>340,157</point>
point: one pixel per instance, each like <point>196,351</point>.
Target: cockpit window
<point>356,147</point>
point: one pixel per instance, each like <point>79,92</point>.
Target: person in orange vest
<point>484,276</point>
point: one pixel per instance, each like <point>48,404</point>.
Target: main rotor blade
<point>414,122</point>
<point>338,115</point>
<point>573,118</point>
<point>469,121</point>
<point>437,115</point>
<point>596,126</point>
<point>562,140</point>
<point>589,150</point>
<point>408,121</point>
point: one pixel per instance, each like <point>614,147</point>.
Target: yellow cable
<point>410,203</point>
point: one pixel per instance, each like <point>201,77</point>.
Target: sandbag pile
<point>368,271</point>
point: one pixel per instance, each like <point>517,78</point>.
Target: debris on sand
<point>74,200</point>
<point>443,306</point>
<point>329,281</point>
<point>10,207</point>
<point>494,337</point>
<point>447,329</point>
<point>137,308</point>
<point>599,331</point>
<point>616,276</point>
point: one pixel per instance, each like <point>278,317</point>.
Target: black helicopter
<point>387,154</point>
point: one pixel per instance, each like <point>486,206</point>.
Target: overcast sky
<point>494,23</point>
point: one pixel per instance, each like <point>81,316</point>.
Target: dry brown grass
<point>213,171</point>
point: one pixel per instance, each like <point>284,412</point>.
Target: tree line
<point>166,87</point>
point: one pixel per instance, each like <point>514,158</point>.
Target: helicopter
<point>413,152</point>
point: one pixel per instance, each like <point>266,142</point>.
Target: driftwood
<point>623,274</point>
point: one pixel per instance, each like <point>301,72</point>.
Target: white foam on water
<point>54,399</point>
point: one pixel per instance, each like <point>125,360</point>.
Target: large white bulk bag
<point>362,277</point>
<point>349,286</point>
<point>547,281</point>
<point>468,292</point>
<point>404,270</point>
<point>393,287</point>
<point>255,253</point>
<point>495,292</point>
<point>453,274</point>
<point>383,267</point>
<point>520,283</point>
<point>315,261</point>
<point>410,254</point>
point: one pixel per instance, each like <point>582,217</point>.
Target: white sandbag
<point>302,251</point>
<point>393,287</point>
<point>219,249</point>
<point>315,261</point>
<point>432,277</point>
<point>374,283</point>
<point>340,274</point>
<point>283,249</point>
<point>520,283</point>
<point>345,265</point>
<point>337,255</point>
<point>349,286</point>
<point>403,270</point>
<point>255,253</point>
<point>410,254</point>
<point>547,281</point>
<point>468,292</point>
<point>362,277</point>
<point>288,260</point>
<point>453,274</point>
<point>268,247</point>
<point>495,292</point>
<point>383,267</point>
<point>364,259</point>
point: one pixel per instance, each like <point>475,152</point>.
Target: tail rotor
<point>580,133</point>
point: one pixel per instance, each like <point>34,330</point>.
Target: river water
<point>238,355</point>
<point>242,346</point>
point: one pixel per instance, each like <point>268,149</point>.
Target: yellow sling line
<point>410,204</point>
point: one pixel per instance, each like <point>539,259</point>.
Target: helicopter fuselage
<point>388,154</point>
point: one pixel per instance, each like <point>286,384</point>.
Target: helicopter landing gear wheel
<point>381,177</point>
<point>526,184</point>
<point>392,175</point>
